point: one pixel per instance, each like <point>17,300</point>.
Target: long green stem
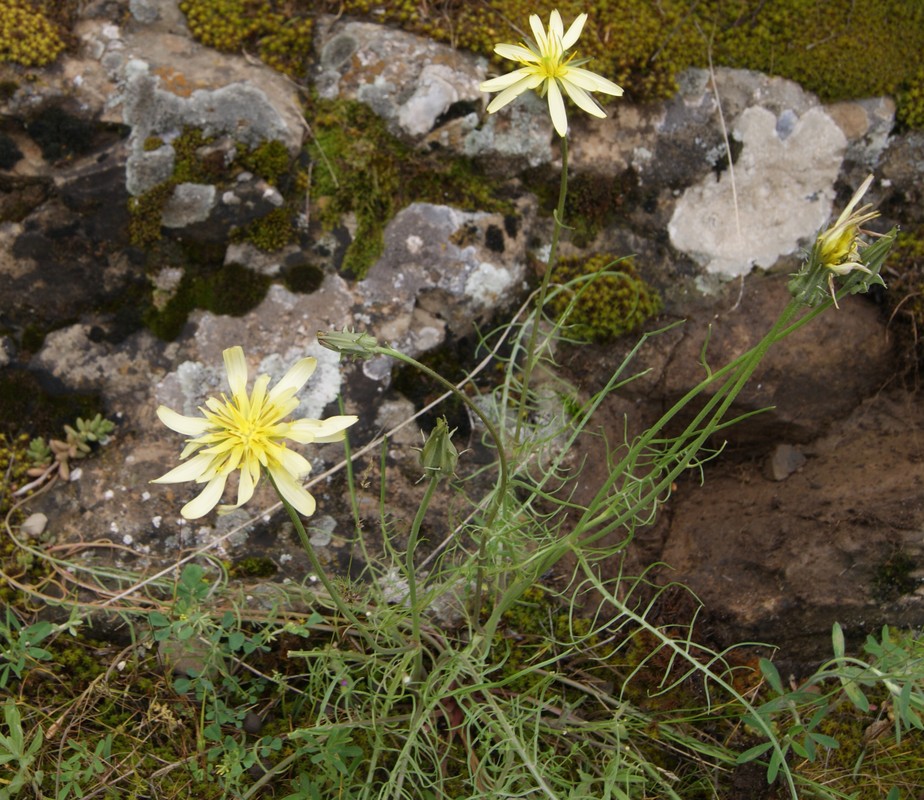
<point>319,570</point>
<point>502,488</point>
<point>682,452</point>
<point>531,356</point>
<point>411,570</point>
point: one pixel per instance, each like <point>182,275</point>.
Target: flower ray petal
<point>206,500</point>
<point>293,380</point>
<point>293,492</point>
<point>190,426</point>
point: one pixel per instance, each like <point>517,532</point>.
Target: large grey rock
<point>779,191</point>
<point>444,270</point>
<point>408,80</point>
<point>778,194</point>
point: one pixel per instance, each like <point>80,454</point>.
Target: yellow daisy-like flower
<point>247,433</point>
<point>547,68</point>
<point>838,248</point>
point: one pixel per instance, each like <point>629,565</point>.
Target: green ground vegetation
<point>359,168</point>
<point>602,297</point>
<point>200,691</point>
<point>840,49</point>
<point>29,33</point>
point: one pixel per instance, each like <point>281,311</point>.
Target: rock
<point>794,557</point>
<point>144,10</point>
<point>281,330</point>
<point>785,460</point>
<point>516,137</point>
<point>444,270</point>
<point>190,203</point>
<point>413,83</point>
<point>79,359</point>
<point>85,137</point>
<point>270,264</point>
<point>777,196</point>
<point>74,288</point>
<point>815,376</point>
<point>243,110</point>
<point>901,167</point>
<point>34,525</point>
<point>801,387</point>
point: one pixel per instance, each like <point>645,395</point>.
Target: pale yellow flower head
<point>247,434</point>
<point>547,69</point>
<point>838,248</point>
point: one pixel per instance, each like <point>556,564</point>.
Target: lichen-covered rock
<point>458,267</point>
<point>779,191</point>
<point>414,83</point>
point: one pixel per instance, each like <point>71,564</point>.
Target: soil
<point>813,511</point>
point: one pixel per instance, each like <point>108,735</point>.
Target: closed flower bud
<point>439,456</point>
<point>349,343</point>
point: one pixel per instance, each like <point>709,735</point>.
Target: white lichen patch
<point>323,386</point>
<point>776,198</point>
<point>487,284</point>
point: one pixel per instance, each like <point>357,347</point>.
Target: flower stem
<point>328,585</point>
<point>503,481</point>
<point>412,573</point>
<point>531,356</point>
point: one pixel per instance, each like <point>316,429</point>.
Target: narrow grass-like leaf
<point>770,672</point>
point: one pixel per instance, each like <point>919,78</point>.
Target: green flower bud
<point>439,456</point>
<point>349,343</point>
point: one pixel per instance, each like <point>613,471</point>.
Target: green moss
<point>269,160</point>
<point>304,279</point>
<point>188,166</point>
<point>77,661</point>
<point>270,232</point>
<point>593,201</point>
<point>865,766</point>
<point>13,466</point>
<point>152,143</point>
<point>612,305</point>
<point>910,110</point>
<point>279,32</point>
<point>27,36</point>
<point>361,169</point>
<point>145,211</point>
<point>837,49</point>
<point>231,289</point>
<point>253,567</point>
